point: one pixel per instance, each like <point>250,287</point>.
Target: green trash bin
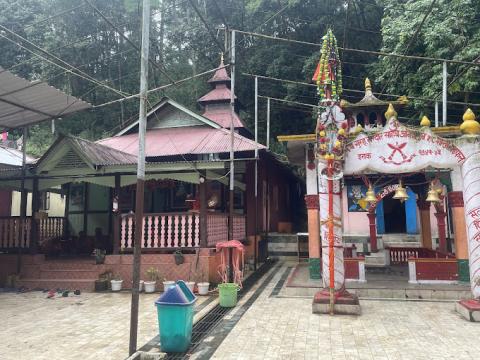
<point>228,294</point>
<point>175,318</point>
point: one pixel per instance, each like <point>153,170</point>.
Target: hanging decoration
<point>328,74</point>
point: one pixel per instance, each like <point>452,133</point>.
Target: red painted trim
<point>312,202</point>
<point>455,199</point>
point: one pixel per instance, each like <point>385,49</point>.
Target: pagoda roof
<point>220,75</point>
<point>221,93</point>
<point>371,101</point>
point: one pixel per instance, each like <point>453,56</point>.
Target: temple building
<point>381,194</point>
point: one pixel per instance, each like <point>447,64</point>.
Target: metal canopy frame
<point>24,103</point>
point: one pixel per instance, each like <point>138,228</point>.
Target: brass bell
<point>400,193</point>
<point>370,195</point>
<point>433,195</point>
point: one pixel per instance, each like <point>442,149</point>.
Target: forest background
<point>187,37</point>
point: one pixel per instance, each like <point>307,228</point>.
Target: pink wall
<point>354,223</point>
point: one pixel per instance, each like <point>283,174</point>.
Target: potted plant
<point>116,283</point>
<point>203,286</point>
<point>167,284</point>
<point>178,257</point>
<point>99,256</point>
<point>152,277</point>
<point>103,281</point>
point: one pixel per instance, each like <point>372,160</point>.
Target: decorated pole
<point>331,136</point>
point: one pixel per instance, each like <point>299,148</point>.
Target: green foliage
<point>182,44</point>
<point>451,31</point>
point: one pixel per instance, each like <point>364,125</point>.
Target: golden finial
<point>368,85</point>
<point>425,121</point>
<point>390,112</point>
<point>221,57</point>
<point>470,125</point>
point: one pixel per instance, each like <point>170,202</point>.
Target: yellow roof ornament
<point>470,125</point>
<point>425,122</point>
<point>368,85</point>
<point>390,112</point>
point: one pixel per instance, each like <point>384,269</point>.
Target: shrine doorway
<point>394,216</point>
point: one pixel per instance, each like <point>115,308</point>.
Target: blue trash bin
<point>175,317</point>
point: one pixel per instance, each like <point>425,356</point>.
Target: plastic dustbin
<point>175,317</point>
<point>228,294</point>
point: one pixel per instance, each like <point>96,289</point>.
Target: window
<point>45,201</point>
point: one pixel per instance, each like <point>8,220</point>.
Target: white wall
<point>57,204</point>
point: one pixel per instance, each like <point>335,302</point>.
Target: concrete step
<point>282,238</point>
<point>374,293</point>
<point>69,284</point>
<point>69,274</point>
<point>68,264</point>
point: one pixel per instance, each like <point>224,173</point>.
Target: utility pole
<point>142,125</point>
<point>436,113</point>
<point>232,136</point>
<point>256,176</point>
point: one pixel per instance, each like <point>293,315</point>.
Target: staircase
<point>68,274</point>
<point>399,240</point>
<point>284,247</point>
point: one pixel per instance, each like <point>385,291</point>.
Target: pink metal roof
<point>220,75</point>
<point>184,140</point>
<point>220,93</point>
<point>222,117</point>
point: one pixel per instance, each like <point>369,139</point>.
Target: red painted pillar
<point>442,233</point>
<point>373,231</point>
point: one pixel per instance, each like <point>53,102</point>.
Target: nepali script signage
<point>397,149</point>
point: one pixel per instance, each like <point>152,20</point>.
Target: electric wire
<point>71,69</point>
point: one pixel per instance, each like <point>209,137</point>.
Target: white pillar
<point>339,265</point>
<point>412,272</point>
<point>471,198</point>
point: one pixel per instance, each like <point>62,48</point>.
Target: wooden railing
<point>51,227</point>
<point>179,230</point>
<point>17,233</point>
<point>400,255</point>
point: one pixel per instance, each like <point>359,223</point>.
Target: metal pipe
<point>142,126</point>
<point>268,124</point>
<point>444,106</point>
<point>232,136</point>
<point>436,114</point>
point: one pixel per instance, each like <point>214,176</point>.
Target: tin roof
<point>24,103</point>
<point>220,75</point>
<point>221,93</point>
<point>221,115</point>
<point>12,157</point>
<point>180,141</point>
<point>91,153</point>
<point>101,155</point>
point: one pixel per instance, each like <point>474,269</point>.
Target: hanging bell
<point>400,193</point>
<point>370,195</point>
<point>432,196</point>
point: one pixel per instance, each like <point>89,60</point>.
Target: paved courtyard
<point>88,326</point>
<point>264,325</point>
<point>285,328</point>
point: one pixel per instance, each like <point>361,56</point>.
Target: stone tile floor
<point>285,328</point>
<point>88,326</point>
